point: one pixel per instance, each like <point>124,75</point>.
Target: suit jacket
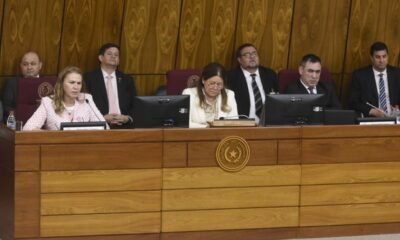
<point>237,83</point>
<point>197,117</point>
<point>10,96</point>
<point>363,88</point>
<point>331,100</point>
<point>126,92</point>
<point>47,117</point>
<point>1,111</point>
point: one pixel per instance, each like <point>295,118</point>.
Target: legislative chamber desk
<point>166,184</point>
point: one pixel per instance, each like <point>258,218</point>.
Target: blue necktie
<point>311,90</point>
<point>382,93</point>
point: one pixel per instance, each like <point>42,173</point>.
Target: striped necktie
<point>382,93</point>
<point>311,90</point>
<point>257,95</point>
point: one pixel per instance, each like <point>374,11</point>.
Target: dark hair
<point>310,58</point>
<point>209,71</point>
<point>106,46</point>
<point>240,48</point>
<point>378,46</point>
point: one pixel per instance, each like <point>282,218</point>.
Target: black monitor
<point>292,109</point>
<point>161,111</point>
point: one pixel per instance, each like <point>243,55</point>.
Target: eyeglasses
<point>250,54</point>
<point>215,85</point>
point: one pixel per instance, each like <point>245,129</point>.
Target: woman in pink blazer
<point>68,104</point>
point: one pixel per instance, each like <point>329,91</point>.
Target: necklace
<point>69,110</point>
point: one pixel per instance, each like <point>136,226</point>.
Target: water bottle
<point>11,122</point>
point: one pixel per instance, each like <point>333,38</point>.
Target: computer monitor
<point>161,111</point>
<point>293,109</point>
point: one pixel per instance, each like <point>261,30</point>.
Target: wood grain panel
<point>350,214</point>
<point>289,151</point>
<point>350,131</point>
<point>193,199</point>
<point>174,154</point>
<point>350,194</point>
<point>202,154</point>
<point>366,27</point>
<point>266,24</point>
<point>320,28</point>
<point>210,177</point>
<point>104,202</point>
<point>147,85</point>
<point>350,173</point>
<point>149,36</point>
<point>27,204</point>
<point>143,236</point>
<point>86,26</point>
<point>182,221</point>
<point>27,158</point>
<point>206,32</point>
<point>99,224</point>
<point>101,156</point>
<point>31,26</point>
<point>350,150</point>
<point>90,181</point>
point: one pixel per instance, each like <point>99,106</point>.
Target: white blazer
<point>197,117</point>
<point>46,116</point>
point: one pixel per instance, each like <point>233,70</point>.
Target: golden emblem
<point>45,89</point>
<point>233,153</point>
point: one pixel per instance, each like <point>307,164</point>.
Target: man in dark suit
<point>375,89</point>
<point>309,82</point>
<point>250,81</point>
<point>113,91</point>
<point>30,67</point>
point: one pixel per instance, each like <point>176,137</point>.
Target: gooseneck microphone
<point>87,101</point>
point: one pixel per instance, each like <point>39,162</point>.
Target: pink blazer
<point>84,111</point>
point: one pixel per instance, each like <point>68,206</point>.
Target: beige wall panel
<point>101,156</point>
<point>103,202</point>
<point>203,153</point>
<point>349,214</point>
<point>149,35</point>
<point>27,157</point>
<point>350,193</point>
<point>90,181</point>
<point>31,25</point>
<point>210,177</point>
<point>350,150</point>
<point>320,27</point>
<point>87,25</point>
<point>372,21</point>
<point>345,173</point>
<point>193,199</point>
<point>266,24</point>
<point>100,224</point>
<point>148,84</point>
<point>206,32</point>
<point>229,219</point>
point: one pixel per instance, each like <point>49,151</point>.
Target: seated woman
<point>209,100</point>
<point>67,104</point>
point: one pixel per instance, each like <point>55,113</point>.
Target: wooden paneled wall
<point>159,35</point>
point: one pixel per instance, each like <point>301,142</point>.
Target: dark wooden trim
<point>152,236</point>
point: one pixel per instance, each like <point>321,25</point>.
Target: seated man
<point>309,82</point>
<point>30,67</point>
<point>376,88</point>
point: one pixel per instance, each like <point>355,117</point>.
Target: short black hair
<point>240,48</point>
<point>106,46</point>
<point>310,58</point>
<point>378,46</point>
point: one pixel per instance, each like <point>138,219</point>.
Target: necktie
<point>112,101</point>
<point>311,90</point>
<point>382,93</point>
<point>257,95</point>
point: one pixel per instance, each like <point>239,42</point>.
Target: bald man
<point>30,67</point>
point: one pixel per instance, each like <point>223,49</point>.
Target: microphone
<point>241,116</point>
<point>87,101</point>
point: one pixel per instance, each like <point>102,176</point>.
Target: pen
<point>369,104</point>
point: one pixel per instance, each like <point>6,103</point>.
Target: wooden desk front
<point>166,184</point>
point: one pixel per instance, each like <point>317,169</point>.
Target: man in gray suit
<point>30,67</point>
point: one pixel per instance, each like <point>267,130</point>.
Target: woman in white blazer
<point>210,99</point>
<point>67,104</point>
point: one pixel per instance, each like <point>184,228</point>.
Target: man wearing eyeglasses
<point>251,82</point>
